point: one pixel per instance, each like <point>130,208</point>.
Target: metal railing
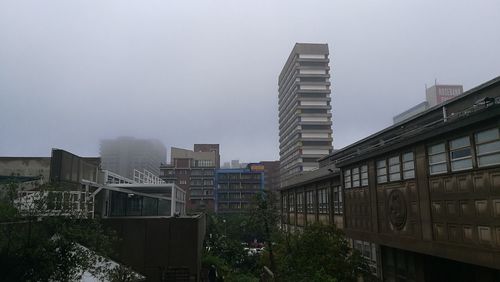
<point>55,203</point>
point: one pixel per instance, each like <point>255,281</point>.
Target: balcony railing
<point>55,203</point>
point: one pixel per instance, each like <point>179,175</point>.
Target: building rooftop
<point>418,124</point>
<point>311,176</point>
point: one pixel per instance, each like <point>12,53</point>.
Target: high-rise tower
<point>305,118</point>
<point>124,154</point>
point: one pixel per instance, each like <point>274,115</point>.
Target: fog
<point>184,72</point>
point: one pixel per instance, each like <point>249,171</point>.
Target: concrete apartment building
<point>124,154</point>
<point>194,171</point>
<point>305,118</point>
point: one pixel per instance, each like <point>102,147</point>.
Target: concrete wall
<point>26,166</point>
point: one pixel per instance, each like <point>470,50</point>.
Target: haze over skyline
<point>75,72</point>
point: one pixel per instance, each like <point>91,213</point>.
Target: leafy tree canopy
<point>48,248</point>
<point>319,253</point>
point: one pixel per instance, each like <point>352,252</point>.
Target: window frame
<point>403,162</point>
<point>338,207</point>
<point>396,165</point>
<point>323,201</point>
<point>477,144</point>
<point>310,206</point>
<point>300,202</point>
<point>363,171</point>
<point>451,150</point>
<point>379,168</point>
<point>445,153</point>
<point>291,202</point>
<point>347,178</point>
<point>353,177</point>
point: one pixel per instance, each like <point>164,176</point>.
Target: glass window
<point>355,177</point>
<point>347,178</point>
<point>381,171</point>
<point>300,202</point>
<point>291,206</point>
<point>394,169</point>
<point>437,159</point>
<point>337,200</point>
<point>364,175</point>
<point>488,147</point>
<point>284,205</point>
<point>323,201</point>
<point>460,154</point>
<point>196,172</point>
<point>408,166</point>
<point>310,202</point>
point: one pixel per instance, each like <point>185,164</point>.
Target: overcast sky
<point>184,72</point>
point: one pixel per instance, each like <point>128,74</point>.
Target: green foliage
<point>224,248</point>
<point>319,253</point>
<point>240,277</point>
<point>48,248</point>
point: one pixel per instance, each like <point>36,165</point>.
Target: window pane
<point>408,165</point>
<point>409,174</point>
<point>394,160</point>
<point>381,171</point>
<point>461,164</point>
<point>394,168</point>
<point>439,148</point>
<point>364,168</point>
<point>395,176</point>
<point>437,158</point>
<point>381,164</point>
<point>408,156</point>
<point>487,135</point>
<point>382,179</point>
<point>489,160</point>
<point>438,168</point>
<point>459,143</point>
<point>488,148</point>
<point>461,153</point>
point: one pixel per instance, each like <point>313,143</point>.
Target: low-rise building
<point>148,217</point>
<point>423,194</point>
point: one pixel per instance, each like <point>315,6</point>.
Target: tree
<point>224,247</point>
<point>36,247</point>
<point>319,253</point>
<point>266,218</point>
